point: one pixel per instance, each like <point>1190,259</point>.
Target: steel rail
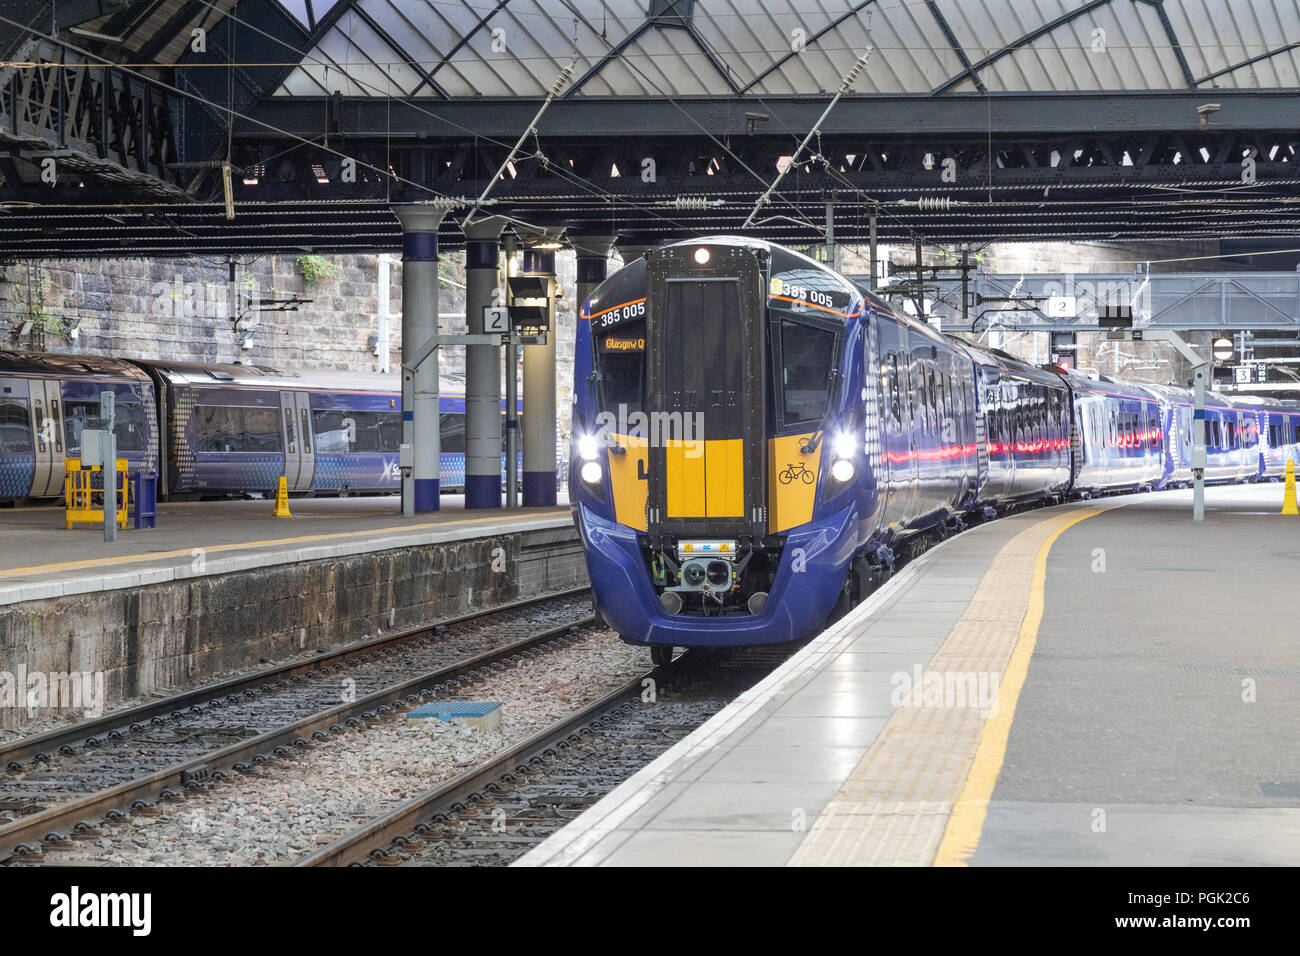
<point>26,748</point>
<point>25,835</point>
<point>369,838</point>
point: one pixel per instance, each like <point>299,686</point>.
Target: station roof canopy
<point>970,120</point>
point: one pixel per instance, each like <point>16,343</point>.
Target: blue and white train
<point>756,437</point>
<point>226,429</point>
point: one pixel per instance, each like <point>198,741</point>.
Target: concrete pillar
<point>482,367</point>
<point>632,249</point>
<point>419,330</point>
<point>539,397</point>
<point>593,264</point>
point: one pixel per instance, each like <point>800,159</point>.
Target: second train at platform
<point>226,429</point>
<point>757,438</point>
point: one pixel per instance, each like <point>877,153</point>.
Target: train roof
<point>57,363</point>
<point>786,259</point>
<point>263,376</point>
<point>996,358</point>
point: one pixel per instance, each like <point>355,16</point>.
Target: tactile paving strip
<point>895,805</point>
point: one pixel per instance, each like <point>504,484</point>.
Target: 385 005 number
<point>621,313</point>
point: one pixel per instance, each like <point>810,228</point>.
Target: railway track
<point>60,782</point>
<point>495,812</point>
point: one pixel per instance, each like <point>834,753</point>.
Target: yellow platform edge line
<point>961,836</point>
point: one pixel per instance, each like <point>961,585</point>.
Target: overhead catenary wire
<point>845,84</point>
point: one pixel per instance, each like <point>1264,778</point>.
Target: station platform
<point>43,559</point>
<point>1099,683</point>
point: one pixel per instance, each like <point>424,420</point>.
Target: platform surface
<point>41,558</point>
<point>1115,685</point>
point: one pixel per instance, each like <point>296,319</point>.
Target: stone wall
<point>155,638</point>
<point>178,309</point>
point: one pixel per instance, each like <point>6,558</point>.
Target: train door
<point>306,440</point>
<point>47,437</point>
<point>706,396</point>
<point>293,458</point>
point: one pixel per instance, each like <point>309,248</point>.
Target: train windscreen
<point>807,356</point>
<point>621,360</point>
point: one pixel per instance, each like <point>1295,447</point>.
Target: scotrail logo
<point>392,471</point>
<point>38,690</point>
<point>76,909</point>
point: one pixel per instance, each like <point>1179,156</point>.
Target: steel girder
<point>103,127</point>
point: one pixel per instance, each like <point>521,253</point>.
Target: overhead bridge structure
<point>1070,302</point>
<point>971,121</point>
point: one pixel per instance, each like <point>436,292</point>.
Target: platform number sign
<point>1062,306</point>
<point>1241,375</point>
<point>496,320</point>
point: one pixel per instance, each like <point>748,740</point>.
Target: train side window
<point>15,427</point>
<point>932,396</point>
<point>306,434</point>
<point>130,427</point>
<point>895,398</point>
<point>237,428</point>
<point>917,393</point>
<point>289,435</point>
<point>38,418</point>
<point>452,428</point>
<point>1231,431</point>
<point>390,430</point>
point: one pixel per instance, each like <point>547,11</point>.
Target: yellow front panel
<point>685,479</point>
<point>628,489</point>
<point>725,468</point>
<point>791,482</point>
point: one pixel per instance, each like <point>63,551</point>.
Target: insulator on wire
<point>561,80</point>
<point>934,203</point>
<point>858,66</point>
<point>691,203</point>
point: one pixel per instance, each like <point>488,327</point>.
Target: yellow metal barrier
<point>80,499</point>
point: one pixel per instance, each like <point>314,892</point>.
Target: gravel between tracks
<point>291,806</point>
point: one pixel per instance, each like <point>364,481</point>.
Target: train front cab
<point>704,484</point>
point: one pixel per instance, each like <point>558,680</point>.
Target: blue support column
<point>420,375</point>
<point>539,479</point>
<point>482,367</point>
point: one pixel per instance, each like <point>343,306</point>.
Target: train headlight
<point>591,473</point>
<point>588,449</point>
<point>845,445</point>
<point>842,471</point>
<point>702,256</point>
